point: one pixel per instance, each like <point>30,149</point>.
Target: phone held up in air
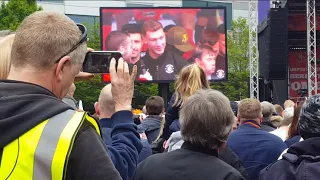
<point>98,62</point>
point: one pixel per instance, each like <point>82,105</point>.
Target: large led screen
<point>161,41</point>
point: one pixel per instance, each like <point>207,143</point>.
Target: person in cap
<point>177,40</point>
<point>160,62</point>
<point>302,160</point>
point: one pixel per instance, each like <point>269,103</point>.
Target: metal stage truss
<point>253,49</point>
<point>311,47</point>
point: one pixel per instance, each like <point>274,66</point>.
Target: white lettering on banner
<point>298,85</point>
<point>298,69</point>
<point>298,76</point>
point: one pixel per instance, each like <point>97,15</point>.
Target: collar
<point>157,117</point>
<point>106,122</point>
<point>251,123</point>
<point>199,148</point>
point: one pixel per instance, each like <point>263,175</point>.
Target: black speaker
<point>273,45</point>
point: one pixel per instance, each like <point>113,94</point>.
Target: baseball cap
<point>309,122</point>
<point>178,37</point>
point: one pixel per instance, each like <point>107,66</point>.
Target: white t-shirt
<point>282,132</point>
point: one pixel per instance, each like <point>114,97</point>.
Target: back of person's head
<point>72,89</point>
<point>154,105</point>
<point>5,55</point>
<point>189,80</point>
<point>267,109</point>
<point>287,117</point>
<point>206,119</point>
<point>309,123</point>
<point>116,39</point>
<point>249,109</point>
<point>105,107</point>
<point>288,103</point>
<point>276,121</point>
<point>43,38</point>
<point>278,109</point>
<point>293,129</point>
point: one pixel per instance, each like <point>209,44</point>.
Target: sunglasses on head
<point>84,38</point>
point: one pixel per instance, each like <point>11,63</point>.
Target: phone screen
<point>98,62</point>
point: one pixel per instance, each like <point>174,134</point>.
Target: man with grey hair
<point>206,122</point>
<point>267,111</point>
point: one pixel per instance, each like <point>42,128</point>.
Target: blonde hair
<point>43,37</point>
<point>5,55</point>
<point>249,109</point>
<point>288,103</point>
<point>190,79</point>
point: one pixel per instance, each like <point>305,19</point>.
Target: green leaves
<point>238,62</point>
<point>13,13</point>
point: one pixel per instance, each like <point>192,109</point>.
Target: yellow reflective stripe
<point>23,169</point>
<point>64,146</point>
<point>9,159</point>
<point>94,123</point>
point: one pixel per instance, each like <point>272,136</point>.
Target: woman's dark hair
<point>293,129</point>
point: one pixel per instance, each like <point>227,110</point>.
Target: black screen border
<point>167,7</point>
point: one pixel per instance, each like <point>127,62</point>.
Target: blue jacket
<point>151,126</point>
<point>291,141</point>
<point>172,114</point>
<point>255,148</point>
<point>175,126</point>
<point>123,141</point>
<point>301,162</point>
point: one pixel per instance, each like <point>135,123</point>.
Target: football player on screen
<point>205,57</point>
<point>161,63</point>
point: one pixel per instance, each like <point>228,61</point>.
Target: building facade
<point>88,11</point>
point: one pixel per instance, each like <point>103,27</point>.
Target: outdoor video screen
<point>161,41</point>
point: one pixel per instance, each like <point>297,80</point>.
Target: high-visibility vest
<point>42,153</point>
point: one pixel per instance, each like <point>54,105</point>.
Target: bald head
<point>106,104</point>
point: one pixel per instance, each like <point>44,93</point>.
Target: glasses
<point>83,39</point>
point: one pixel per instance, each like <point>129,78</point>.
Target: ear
<point>63,65</point>
<point>96,108</point>
<point>197,60</point>
<point>261,116</point>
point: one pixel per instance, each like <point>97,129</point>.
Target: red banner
<point>298,22</point>
<point>298,72</point>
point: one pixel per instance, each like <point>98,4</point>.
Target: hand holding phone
<point>98,62</point>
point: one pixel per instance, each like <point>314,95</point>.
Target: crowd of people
<point>199,135</point>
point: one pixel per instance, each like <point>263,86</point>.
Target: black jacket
<point>266,125</point>
<point>166,66</point>
<point>229,157</point>
<point>188,163</point>
<point>25,105</point>
<point>151,127</point>
<point>301,162</point>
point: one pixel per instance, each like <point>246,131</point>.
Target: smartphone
<point>98,62</point>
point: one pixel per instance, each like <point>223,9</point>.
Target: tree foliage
<point>236,87</point>
<point>13,13</point>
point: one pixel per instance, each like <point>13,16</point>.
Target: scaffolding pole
<point>311,47</point>
<point>253,49</point>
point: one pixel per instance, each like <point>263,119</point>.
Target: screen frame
<point>167,7</point>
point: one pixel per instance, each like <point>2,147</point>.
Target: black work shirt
<point>166,66</point>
